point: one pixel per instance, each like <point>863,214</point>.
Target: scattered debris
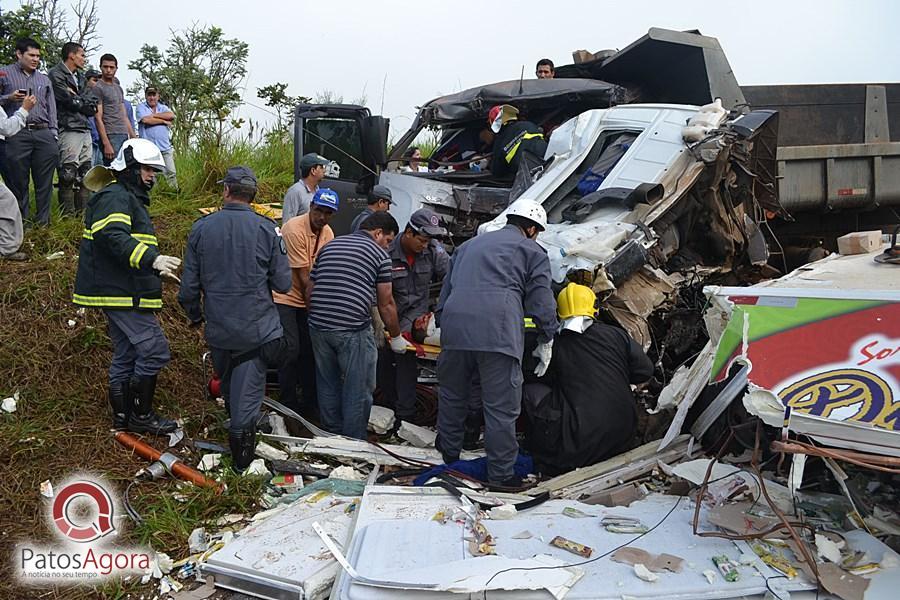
<point>502,512</point>
<point>420,437</point>
<point>655,562</point>
<point>727,568</point>
<point>643,573</point>
<point>615,524</point>
<point>71,323</point>
<point>829,549</point>
<point>198,541</point>
<point>574,513</point>
<point>257,467</point>
<point>175,437</point>
<point>381,419</point>
<point>523,535</point>
<point>570,546</point>
<point>710,576</point>
<point>208,462</point>
<point>347,473</point>
<point>55,255</point>
<point>269,452</point>
<point>10,404</point>
<point>46,489</point>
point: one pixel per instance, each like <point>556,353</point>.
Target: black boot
<point>143,419</point>
<point>448,458</point>
<point>67,200</point>
<point>82,195</point>
<point>243,446</point>
<point>472,435</point>
<point>120,402</point>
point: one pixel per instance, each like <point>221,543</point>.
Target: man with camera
<point>74,104</point>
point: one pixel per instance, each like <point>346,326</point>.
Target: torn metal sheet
<point>360,450</point>
<point>612,472</point>
<point>390,527</point>
<point>281,556</point>
<point>824,341</point>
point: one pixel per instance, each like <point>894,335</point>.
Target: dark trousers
<point>501,387</point>
<point>397,376</point>
<point>139,345</point>
<point>243,387</point>
<point>32,154</point>
<point>302,365</point>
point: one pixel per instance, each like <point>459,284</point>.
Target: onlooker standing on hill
<point>154,121</point>
<point>34,151</point>
<point>74,104</point>
<point>10,215</point>
<point>113,124</point>
<point>90,80</point>
<point>299,195</point>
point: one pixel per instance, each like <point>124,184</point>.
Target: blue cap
<point>326,198</point>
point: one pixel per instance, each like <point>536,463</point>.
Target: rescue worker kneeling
<point>236,258</point>
<point>583,410</point>
<point>119,269</point>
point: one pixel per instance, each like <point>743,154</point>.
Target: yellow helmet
<point>576,301</point>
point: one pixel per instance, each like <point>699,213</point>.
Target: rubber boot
<point>143,418</point>
<point>120,403</point>
<point>243,446</point>
<point>82,195</point>
<point>67,200</point>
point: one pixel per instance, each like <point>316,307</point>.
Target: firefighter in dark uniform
<point>235,258</point>
<point>417,261</point>
<point>493,281</point>
<point>119,269</point>
<point>517,143</point>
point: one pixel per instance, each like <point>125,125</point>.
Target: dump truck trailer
<point>838,159</point>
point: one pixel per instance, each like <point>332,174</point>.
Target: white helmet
<point>529,209</point>
<point>145,152</point>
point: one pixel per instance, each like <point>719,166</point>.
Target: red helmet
<point>492,116</point>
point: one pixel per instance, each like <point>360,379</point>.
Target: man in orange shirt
<point>304,237</point>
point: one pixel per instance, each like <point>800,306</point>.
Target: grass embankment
<point>62,422</point>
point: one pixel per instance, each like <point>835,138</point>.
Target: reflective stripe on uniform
<point>150,303</point>
<point>112,301</point>
<point>146,238</point>
<point>512,152</point>
<point>529,323</point>
<point>137,254</point>
<point>86,234</point>
<point>113,218</point>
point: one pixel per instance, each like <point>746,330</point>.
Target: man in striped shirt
<point>349,274</point>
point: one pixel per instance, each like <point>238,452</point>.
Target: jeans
<point>169,171</point>
<point>345,375</point>
<point>115,140</point>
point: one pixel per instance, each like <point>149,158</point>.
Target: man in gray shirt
<point>113,123</point>
<point>299,195</point>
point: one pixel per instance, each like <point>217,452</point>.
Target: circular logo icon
<point>93,494</point>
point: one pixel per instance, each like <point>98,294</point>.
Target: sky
<point>399,55</point>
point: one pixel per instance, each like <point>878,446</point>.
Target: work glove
<point>543,353</point>
<point>166,266</point>
<point>398,344</point>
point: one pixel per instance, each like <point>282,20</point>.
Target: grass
<point>62,421</point>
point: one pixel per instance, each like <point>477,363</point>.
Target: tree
<point>199,76</point>
<point>52,25</point>
<point>275,96</point>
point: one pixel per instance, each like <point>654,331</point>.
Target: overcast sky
<point>429,48</point>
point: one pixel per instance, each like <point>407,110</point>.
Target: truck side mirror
<point>374,139</point>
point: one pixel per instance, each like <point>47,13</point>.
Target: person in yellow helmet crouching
<point>583,411</point>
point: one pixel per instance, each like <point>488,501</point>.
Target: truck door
<point>343,134</point>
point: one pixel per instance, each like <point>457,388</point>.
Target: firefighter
<point>417,261</point>
<point>119,270</point>
<point>236,258</point>
<point>518,145</point>
<point>493,280</point>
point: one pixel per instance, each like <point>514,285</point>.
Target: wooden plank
<point>641,453</point>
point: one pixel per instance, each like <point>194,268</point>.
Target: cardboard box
<point>582,56</point>
<point>860,242</point>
